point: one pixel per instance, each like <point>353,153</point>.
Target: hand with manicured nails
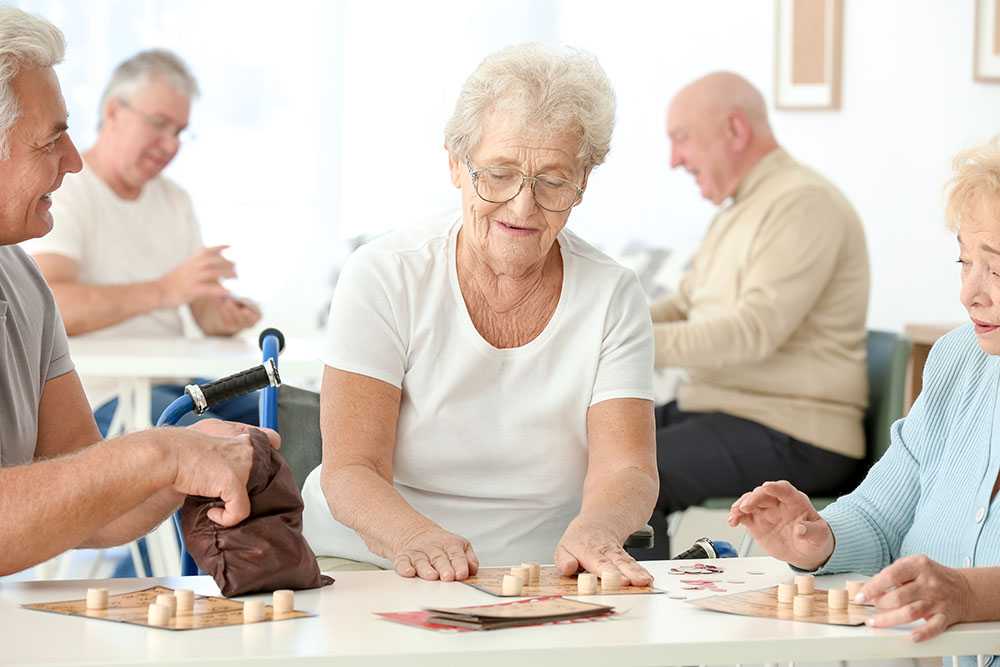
<point>593,547</point>
<point>784,523</point>
<point>433,553</point>
<point>915,588</point>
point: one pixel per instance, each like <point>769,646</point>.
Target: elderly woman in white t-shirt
<point>487,394</point>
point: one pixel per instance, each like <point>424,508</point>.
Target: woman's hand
<point>434,553</point>
<point>915,588</point>
<point>784,523</point>
<point>593,547</point>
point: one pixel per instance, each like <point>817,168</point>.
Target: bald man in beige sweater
<point>769,321</point>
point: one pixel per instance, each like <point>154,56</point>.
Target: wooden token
<point>786,593</point>
<point>511,585</point>
<point>611,580</point>
<point>853,588</point>
<point>836,598</point>
<point>534,573</point>
<point>97,598</point>
<point>168,601</point>
<point>253,611</point>
<point>586,584</point>
<point>523,572</point>
<point>184,600</point>
<point>802,605</point>
<point>283,601</point>
<point>805,584</point>
<point>158,614</point>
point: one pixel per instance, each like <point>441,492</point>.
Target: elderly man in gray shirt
<point>61,486</point>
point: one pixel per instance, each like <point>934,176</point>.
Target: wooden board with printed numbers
<point>490,579</point>
<point>208,612</point>
<point>764,603</point>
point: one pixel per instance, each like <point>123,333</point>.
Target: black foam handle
<point>235,385</point>
<point>272,332</point>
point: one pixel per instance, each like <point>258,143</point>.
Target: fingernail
<point>859,598</point>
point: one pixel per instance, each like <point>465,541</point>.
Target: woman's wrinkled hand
<point>915,588</point>
<point>784,523</point>
<point>433,553</point>
<point>593,547</point>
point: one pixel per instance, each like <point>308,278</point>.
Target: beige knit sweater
<point>770,319</point>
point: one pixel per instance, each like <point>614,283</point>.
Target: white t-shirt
<point>116,241</point>
<point>491,443</point>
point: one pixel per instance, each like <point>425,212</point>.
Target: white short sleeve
<point>368,318</point>
<point>625,369</point>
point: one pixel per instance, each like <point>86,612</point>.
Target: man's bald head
<point>718,130</point>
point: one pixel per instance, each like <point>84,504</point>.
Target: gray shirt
<point>33,350</point>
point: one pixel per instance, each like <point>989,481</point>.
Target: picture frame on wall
<point>986,53</point>
<point>808,52</point>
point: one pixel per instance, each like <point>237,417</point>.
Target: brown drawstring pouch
<point>264,552</point>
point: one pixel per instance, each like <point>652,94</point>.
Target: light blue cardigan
<point>930,492</point>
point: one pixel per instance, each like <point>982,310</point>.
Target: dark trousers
<point>702,455</point>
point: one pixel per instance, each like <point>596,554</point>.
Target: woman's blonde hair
<point>975,184</point>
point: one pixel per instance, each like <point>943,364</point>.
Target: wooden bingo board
<point>489,580</point>
<point>208,612</point>
<point>764,604</point>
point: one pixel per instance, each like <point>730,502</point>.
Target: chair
<point>302,444</point>
<point>888,357</point>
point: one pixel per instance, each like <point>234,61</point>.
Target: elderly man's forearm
<point>363,500</point>
<point>85,308</point>
<point>84,492</point>
<point>137,522</point>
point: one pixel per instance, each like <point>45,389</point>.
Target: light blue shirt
<point>930,493</point>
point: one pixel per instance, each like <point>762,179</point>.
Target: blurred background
<point>322,121</point>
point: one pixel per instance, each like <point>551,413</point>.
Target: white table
<point>655,630</point>
<point>139,363</point>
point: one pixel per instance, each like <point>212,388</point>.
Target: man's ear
<point>455,166</point>
<point>111,109</point>
<point>738,131</point>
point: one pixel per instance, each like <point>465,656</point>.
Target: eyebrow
<point>982,247</point>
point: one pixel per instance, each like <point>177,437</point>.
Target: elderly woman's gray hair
<point>140,69</point>
<point>25,41</point>
<point>550,90</point>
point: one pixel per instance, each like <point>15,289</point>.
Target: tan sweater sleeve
<point>789,265</point>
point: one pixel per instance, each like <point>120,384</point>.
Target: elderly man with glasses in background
<point>126,252</point>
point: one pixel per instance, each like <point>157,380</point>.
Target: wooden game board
<point>490,579</point>
<point>208,612</point>
<point>764,604</point>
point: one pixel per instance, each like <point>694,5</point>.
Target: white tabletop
<point>654,630</point>
<point>187,357</point>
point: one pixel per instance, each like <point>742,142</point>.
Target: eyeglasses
<point>159,124</point>
<point>498,185</point>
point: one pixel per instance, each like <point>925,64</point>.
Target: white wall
<point>908,104</point>
<point>322,120</point>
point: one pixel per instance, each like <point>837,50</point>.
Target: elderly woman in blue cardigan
<point>926,518</point>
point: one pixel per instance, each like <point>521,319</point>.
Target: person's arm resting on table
<point>619,491</point>
<point>358,416</point>
<point>87,307</point>
<point>790,266</point>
